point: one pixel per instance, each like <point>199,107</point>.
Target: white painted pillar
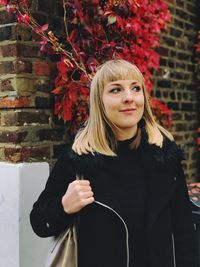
<point>20,186</point>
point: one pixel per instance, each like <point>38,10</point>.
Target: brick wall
<point>198,78</point>
<point>28,130</point>
<point>176,83</point>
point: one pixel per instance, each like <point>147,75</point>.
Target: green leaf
<point>111,19</point>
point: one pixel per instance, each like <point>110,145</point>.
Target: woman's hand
<point>78,195</point>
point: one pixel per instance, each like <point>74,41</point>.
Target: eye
<point>115,90</point>
<point>136,88</point>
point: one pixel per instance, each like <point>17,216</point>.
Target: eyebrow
<point>113,83</point>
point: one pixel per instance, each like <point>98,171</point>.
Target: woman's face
<point>124,106</point>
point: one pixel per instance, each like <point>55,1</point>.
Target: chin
<point>126,126</point>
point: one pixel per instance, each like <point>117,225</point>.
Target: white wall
<point>20,185</point>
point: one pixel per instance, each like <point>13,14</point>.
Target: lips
<point>128,110</point>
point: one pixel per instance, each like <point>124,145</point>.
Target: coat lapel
<point>161,186</point>
<point>160,165</point>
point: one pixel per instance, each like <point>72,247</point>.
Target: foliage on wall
<point>98,30</point>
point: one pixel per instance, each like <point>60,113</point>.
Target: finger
<point>79,189</point>
<point>194,190</point>
<point>87,201</point>
<point>85,188</point>
<point>192,184</point>
<point>81,182</point>
<point>85,195</point>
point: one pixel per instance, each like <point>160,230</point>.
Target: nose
<point>128,96</point>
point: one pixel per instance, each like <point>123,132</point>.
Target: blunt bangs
<point>118,70</point>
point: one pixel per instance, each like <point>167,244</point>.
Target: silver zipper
<point>173,246</point>
<point>126,228</point>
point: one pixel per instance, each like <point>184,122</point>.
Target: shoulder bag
<point>64,252</point>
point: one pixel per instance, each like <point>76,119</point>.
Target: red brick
<point>8,102</point>
<point>17,154</point>
<point>46,6</point>
<point>36,117</point>
<point>14,137</point>
<point>20,50</point>
<point>6,33</point>
<point>6,67</point>
<point>41,68</point>
<point>17,32</point>
<point>51,134</point>
<point>27,154</point>
<point>23,33</point>
<point>42,85</point>
<point>9,118</point>
<point>25,50</point>
<point>25,118</point>
<point>9,50</point>
<point>22,66</point>
<point>42,102</point>
<point>177,116</point>
<point>6,17</point>
<point>178,138</point>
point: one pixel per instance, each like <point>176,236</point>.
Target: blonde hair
<point>98,133</point>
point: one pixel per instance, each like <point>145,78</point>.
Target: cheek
<point>109,103</point>
<point>140,105</point>
<point>140,102</point>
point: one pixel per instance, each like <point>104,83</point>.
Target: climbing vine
<point>98,30</point>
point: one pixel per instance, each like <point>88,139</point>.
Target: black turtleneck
<point>131,193</point>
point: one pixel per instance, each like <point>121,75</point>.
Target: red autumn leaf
<point>10,9</point>
<point>84,78</point>
<point>3,2</point>
<point>58,105</point>
<point>108,12</point>
<point>63,67</point>
<point>84,91</point>
<point>121,23</point>
<point>23,18</point>
<point>43,44</point>
<point>67,108</point>
<point>57,90</point>
<point>45,27</point>
<point>79,10</point>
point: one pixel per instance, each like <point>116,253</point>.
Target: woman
<point>133,205</point>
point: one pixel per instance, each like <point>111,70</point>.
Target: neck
<point>126,134</point>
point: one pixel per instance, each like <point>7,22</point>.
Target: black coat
<point>169,228</point>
